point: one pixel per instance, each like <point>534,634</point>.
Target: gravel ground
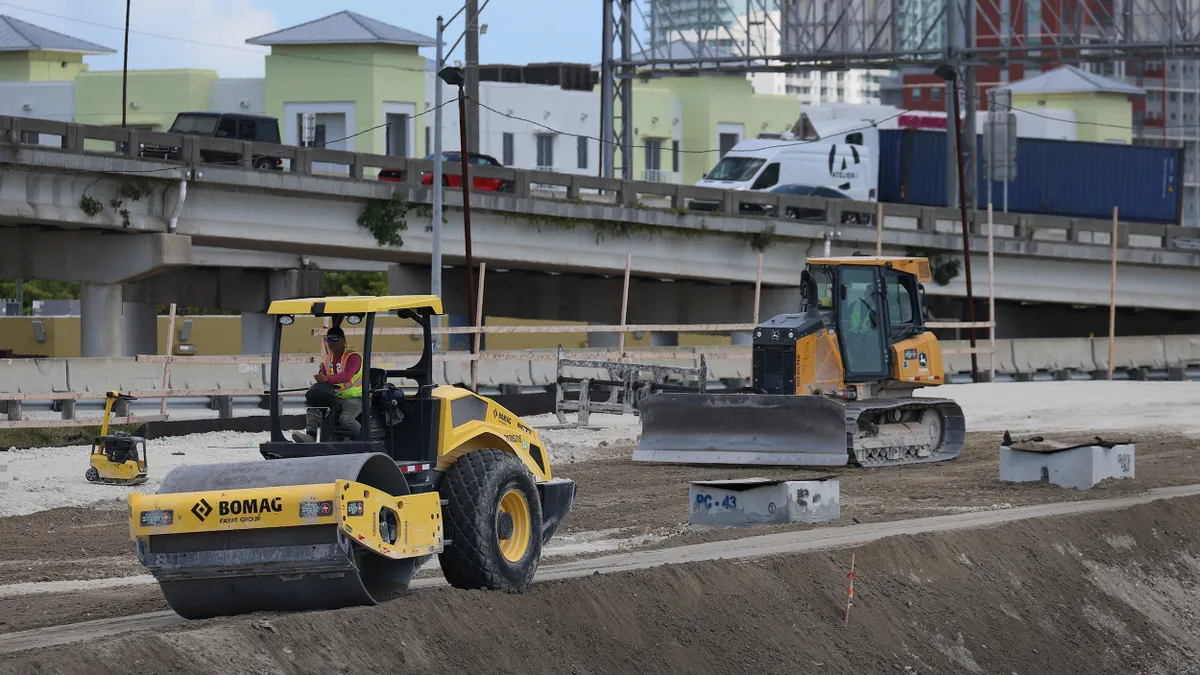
<point>37,479</point>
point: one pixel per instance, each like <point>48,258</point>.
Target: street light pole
<point>951,75</point>
<point>125,67</point>
<point>435,284</point>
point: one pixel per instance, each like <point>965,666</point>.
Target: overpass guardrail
<point>520,184</point>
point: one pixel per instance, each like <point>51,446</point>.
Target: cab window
<point>901,301</point>
<point>823,284</point>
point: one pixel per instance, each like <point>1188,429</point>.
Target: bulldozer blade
<point>739,429</point>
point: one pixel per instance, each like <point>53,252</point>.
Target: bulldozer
<point>347,520</point>
<point>832,385</point>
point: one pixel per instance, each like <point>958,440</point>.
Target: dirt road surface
<point>1103,586</point>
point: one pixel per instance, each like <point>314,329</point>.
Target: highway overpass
<point>228,236</point>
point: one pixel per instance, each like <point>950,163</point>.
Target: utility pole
<point>454,77</point>
<point>472,77</point>
<point>949,74</point>
<point>125,67</point>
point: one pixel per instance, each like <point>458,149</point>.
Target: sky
<point>518,31</point>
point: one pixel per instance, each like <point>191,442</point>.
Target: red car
<point>477,182</point>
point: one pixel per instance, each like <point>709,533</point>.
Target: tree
<point>39,289</point>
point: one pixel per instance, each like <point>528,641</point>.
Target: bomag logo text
<point>248,510</point>
<point>502,417</point>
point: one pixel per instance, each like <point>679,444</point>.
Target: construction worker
<point>339,377</point>
<point>862,342</point>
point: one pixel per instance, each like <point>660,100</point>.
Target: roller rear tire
<point>493,520</point>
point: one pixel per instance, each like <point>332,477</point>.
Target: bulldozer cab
<point>872,303</point>
<point>392,421</point>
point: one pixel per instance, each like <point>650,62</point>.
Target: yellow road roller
<point>345,515</point>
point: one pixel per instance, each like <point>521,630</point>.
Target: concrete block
<point>217,376</point>
<point>499,373</point>
<point>33,376</point>
<point>959,363</point>
<point>728,369</point>
<point>1130,352</point>
<point>106,374</point>
<point>68,410</point>
<point>14,411</point>
<point>1181,350</point>
<point>542,373</point>
<point>1005,362</point>
<point>1079,467</point>
<point>1032,355</point>
<point>458,372</point>
<point>762,501</point>
<point>291,375</point>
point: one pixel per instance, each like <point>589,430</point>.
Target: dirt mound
<point>1115,592</point>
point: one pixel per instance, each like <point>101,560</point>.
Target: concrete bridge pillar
<point>779,300</point>
<point>101,321</point>
<point>141,328</point>
<point>258,333</point>
<point>412,280</point>
<point>258,328</point>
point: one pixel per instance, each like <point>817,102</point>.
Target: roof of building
<point>20,36</point>
<point>1070,80</point>
<point>344,27</point>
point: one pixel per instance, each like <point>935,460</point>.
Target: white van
<point>836,153</point>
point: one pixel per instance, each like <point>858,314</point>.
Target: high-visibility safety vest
<point>345,389</point>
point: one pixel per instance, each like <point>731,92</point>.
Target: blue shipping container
<point>1063,178</point>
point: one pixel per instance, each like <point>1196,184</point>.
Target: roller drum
<point>275,569</point>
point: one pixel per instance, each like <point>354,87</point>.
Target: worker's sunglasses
<point>333,338</point>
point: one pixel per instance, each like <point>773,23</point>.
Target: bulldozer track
<point>745,548</point>
<point>951,436</point>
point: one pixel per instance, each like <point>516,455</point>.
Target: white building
<point>529,126</point>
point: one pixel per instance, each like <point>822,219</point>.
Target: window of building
<point>397,134</point>
<point>581,151</point>
<point>675,156</point>
<point>507,150</point>
<point>545,150</point>
<point>653,154</point>
<point>935,94</point>
<point>916,93</point>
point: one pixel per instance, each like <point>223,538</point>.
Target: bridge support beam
<point>101,323</point>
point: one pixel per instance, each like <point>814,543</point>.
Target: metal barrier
<point>622,380</point>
